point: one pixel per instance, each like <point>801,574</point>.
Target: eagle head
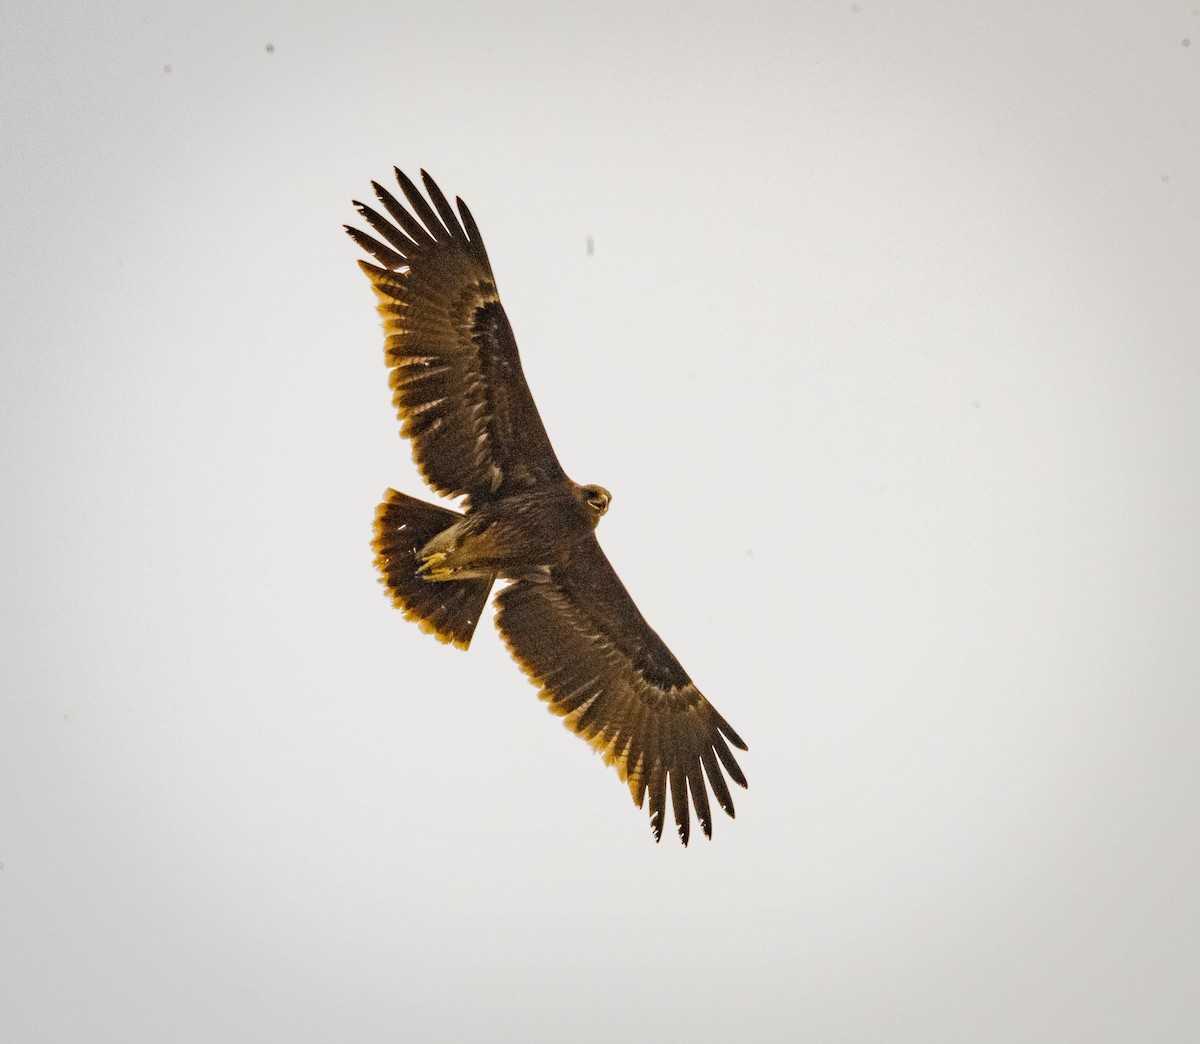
<point>597,499</point>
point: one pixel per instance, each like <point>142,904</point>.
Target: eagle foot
<point>431,568</point>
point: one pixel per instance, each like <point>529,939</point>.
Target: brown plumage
<point>565,616</point>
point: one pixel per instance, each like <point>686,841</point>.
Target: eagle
<point>564,614</point>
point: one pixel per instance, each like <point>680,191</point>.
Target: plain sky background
<point>889,350</point>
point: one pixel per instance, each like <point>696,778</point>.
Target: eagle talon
<point>429,568</point>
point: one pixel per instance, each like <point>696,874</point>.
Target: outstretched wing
<point>576,632</point>
<point>456,376</point>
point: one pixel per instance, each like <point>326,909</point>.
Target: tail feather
<point>447,609</point>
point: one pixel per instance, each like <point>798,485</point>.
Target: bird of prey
<point>565,616</point>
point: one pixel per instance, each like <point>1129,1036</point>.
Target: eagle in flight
<point>565,616</point>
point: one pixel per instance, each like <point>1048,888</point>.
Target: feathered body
<point>510,537</point>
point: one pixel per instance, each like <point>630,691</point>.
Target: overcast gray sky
<point>888,351</point>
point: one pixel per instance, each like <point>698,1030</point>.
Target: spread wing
<point>456,376</point>
<point>576,632</point>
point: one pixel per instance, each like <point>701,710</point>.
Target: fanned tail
<point>447,609</point>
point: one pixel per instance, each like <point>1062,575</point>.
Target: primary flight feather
<point>565,616</point>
